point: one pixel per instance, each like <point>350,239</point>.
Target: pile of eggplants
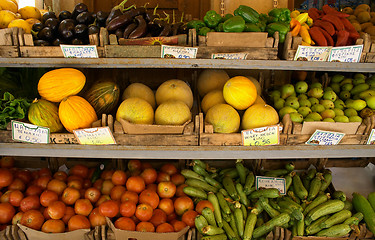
<point>137,22</point>
<point>68,27</point>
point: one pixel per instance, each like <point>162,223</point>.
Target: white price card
<point>310,53</point>
<point>30,133</point>
<point>236,56</point>
<point>94,136</point>
<point>346,54</point>
<point>270,182</point>
<point>263,136</point>
<point>178,52</point>
<point>371,138</point>
<point>320,137</point>
<point>79,51</point>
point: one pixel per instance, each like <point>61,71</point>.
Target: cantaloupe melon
<point>211,99</point>
<point>224,118</point>
<point>140,90</point>
<point>240,92</point>
<point>135,110</point>
<point>259,115</point>
<point>172,113</point>
<point>174,89</point>
<point>211,79</point>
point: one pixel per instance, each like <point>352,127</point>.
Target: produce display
<point>234,208</point>
<point>344,99</point>
<point>362,18</point>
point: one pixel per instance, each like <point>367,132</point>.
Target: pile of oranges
<point>140,199</point>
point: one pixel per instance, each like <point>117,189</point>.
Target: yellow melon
<point>259,99</point>
<point>211,99</point>
<point>259,115</point>
<point>256,83</point>
<point>174,89</point>
<point>211,79</point>
<point>172,113</point>
<point>136,110</point>
<point>240,92</point>
<point>20,23</point>
<point>140,90</point>
<point>224,118</point>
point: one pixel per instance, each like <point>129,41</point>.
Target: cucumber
<point>244,211</point>
<point>355,219</point>
<point>280,220</point>
<point>239,219</point>
<point>276,173</point>
<point>290,167</point>
<point>338,230</point>
<point>315,186</point>
<point>249,226</point>
<point>187,173</point>
<point>230,232</point>
<point>223,203</point>
<point>210,180</point>
<point>361,204</point>
<point>327,179</point>
<point>233,225</point>
<point>336,218</point>
<point>242,195</point>
<point>311,173</point>
<point>298,187</point>
<point>267,207</point>
<point>288,181</point>
<point>328,207</point>
<point>201,171</point>
<point>201,184</point>
<point>229,186</point>
<point>199,162</point>
<point>209,215</point>
<point>315,226</point>
<point>339,195</point>
<point>249,182</point>
<point>200,222</point>
<point>300,226</point>
<point>195,192</point>
<point>213,199</point>
<point>318,200</point>
<point>241,171</point>
<point>371,199</point>
<point>265,192</point>
<point>215,237</point>
<point>212,230</point>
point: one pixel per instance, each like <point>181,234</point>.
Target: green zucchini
<point>328,207</point>
<point>311,173</point>
<point>241,171</point>
<point>215,237</point>
<point>361,204</point>
<point>223,203</point>
<point>209,215</point>
<point>201,184</point>
<point>242,195</point>
<point>229,186</point>
<point>336,218</point>
<point>249,182</point>
<point>338,230</point>
<point>233,225</point>
<point>200,223</point>
<point>355,219</point>
<point>318,200</point>
<point>288,181</point>
<point>348,205</point>
<point>290,167</point>
<point>339,195</point>
<point>201,171</point>
<point>224,192</point>
<point>199,162</point>
<point>327,179</point>
<point>244,211</point>
<point>239,219</point>
<point>315,186</point>
<point>249,226</point>
<point>187,173</point>
<point>225,216</point>
<point>195,192</point>
<point>276,173</point>
<point>257,208</point>
<point>265,192</point>
<point>210,180</point>
<point>371,199</point>
<point>315,226</point>
<point>298,187</point>
<point>230,232</point>
<point>279,220</point>
<point>267,207</point>
<point>213,199</point>
<point>212,230</point>
<point>300,225</point>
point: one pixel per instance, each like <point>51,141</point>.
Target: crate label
<point>320,137</point>
<point>94,136</point>
<point>371,138</point>
<point>236,56</point>
<point>79,51</point>
<point>178,52</point>
<point>346,54</point>
<point>310,53</point>
<point>263,136</point>
<point>270,182</point>
<point>30,133</point>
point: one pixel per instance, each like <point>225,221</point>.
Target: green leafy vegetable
<point>12,108</point>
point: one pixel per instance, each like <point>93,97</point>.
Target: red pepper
<point>342,38</point>
<point>353,34</point>
<point>327,37</point>
<point>313,13</point>
<point>330,10</point>
<point>317,36</point>
<point>335,21</point>
<point>326,26</point>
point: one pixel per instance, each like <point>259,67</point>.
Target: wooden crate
<point>28,50</point>
<point>9,44</point>
<point>256,45</point>
<point>291,45</point>
<point>368,48</point>
<point>296,134</point>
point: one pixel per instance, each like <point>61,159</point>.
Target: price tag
<point>321,137</point>
<point>94,136</point>
<point>346,54</point>
<point>30,133</point>
<point>310,53</point>
<point>237,56</point>
<point>371,138</point>
<point>79,51</point>
<point>261,136</point>
<point>270,182</point>
<point>178,52</point>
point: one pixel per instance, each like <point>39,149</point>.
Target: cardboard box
<point>123,234</point>
<point>32,234</point>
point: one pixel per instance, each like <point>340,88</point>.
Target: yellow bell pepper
<point>302,17</point>
<point>294,14</point>
<point>305,35</point>
<point>309,21</point>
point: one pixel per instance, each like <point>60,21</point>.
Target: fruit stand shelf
<point>186,152</point>
<point>187,63</point>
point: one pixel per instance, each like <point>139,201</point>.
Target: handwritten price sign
<point>79,51</point>
<point>94,136</point>
<point>261,136</point>
<point>30,133</point>
<point>178,52</point>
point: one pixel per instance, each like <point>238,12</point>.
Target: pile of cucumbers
<point>241,211</point>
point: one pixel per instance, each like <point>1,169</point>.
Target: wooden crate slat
<point>132,51</point>
<point>48,52</point>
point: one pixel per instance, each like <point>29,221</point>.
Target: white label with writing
<point>346,54</point>
<point>310,53</point>
<point>178,52</point>
<point>263,136</point>
<point>270,182</point>
<point>30,133</point>
<point>79,51</point>
<point>236,56</point>
<point>321,137</point>
<point>94,136</point>
<point>371,138</point>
